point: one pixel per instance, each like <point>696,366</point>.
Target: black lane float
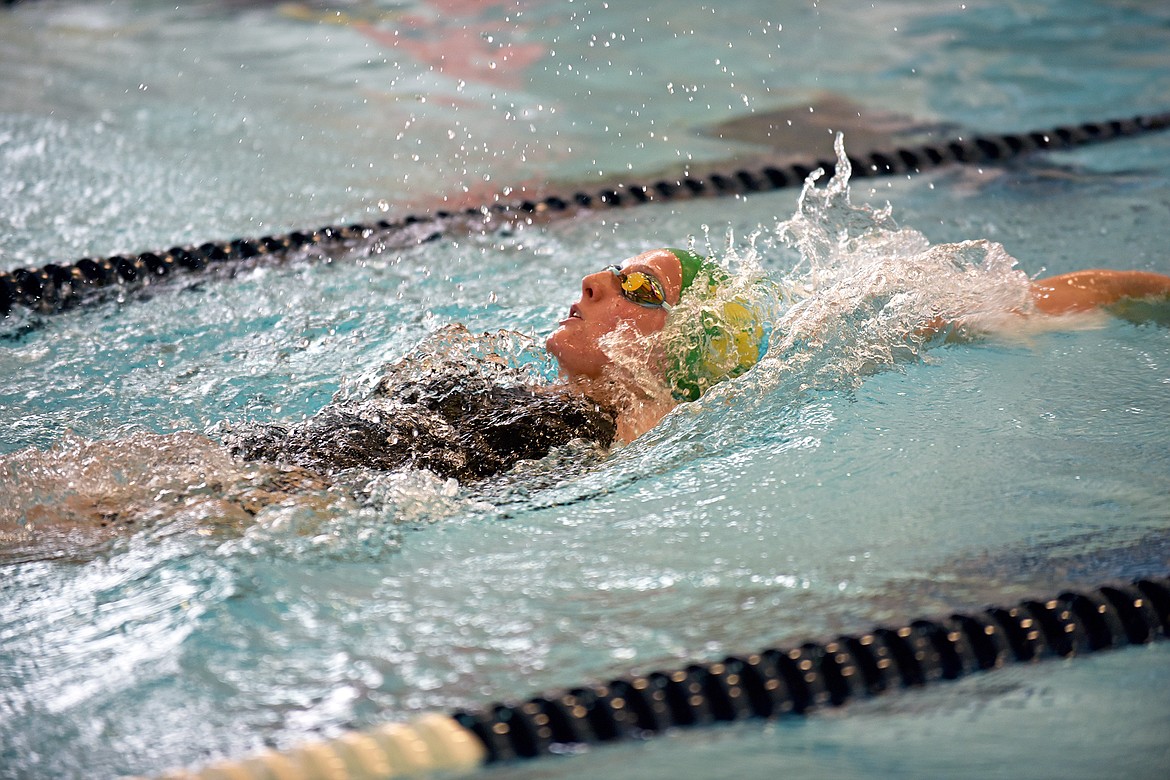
<point>59,286</point>
<point>774,682</point>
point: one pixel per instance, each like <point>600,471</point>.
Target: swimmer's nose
<point>593,285</point>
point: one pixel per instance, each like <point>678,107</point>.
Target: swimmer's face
<point>604,309</point>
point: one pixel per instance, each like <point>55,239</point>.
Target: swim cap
<point>691,265</point>
<point>724,339</point>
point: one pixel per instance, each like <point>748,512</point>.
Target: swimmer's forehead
<point>639,267</point>
<point>649,262</point>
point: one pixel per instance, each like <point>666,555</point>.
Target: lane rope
<point>57,287</point>
<point>775,682</point>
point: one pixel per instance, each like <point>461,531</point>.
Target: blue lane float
<point>771,683</point>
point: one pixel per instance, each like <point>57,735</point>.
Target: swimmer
<point>653,332</point>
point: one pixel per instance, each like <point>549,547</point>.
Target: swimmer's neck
<point>635,411</point>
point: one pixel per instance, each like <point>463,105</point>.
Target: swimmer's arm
<point>1123,293</point>
<point>1086,290</point>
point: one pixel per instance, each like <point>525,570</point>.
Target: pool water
<point>823,492</point>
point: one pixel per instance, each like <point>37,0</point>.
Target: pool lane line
<point>772,683</point>
<point>58,287</point>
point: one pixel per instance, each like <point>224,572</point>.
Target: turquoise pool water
<point>982,472</point>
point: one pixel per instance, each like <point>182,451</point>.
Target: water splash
<point>864,295</point>
<point>867,294</point>
<point>507,358</point>
<point>859,294</point>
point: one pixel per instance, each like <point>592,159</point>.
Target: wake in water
<point>392,446</point>
<point>79,496</point>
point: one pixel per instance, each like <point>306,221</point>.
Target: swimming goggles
<point>640,288</point>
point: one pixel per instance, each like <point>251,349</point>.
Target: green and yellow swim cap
<point>718,336</point>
